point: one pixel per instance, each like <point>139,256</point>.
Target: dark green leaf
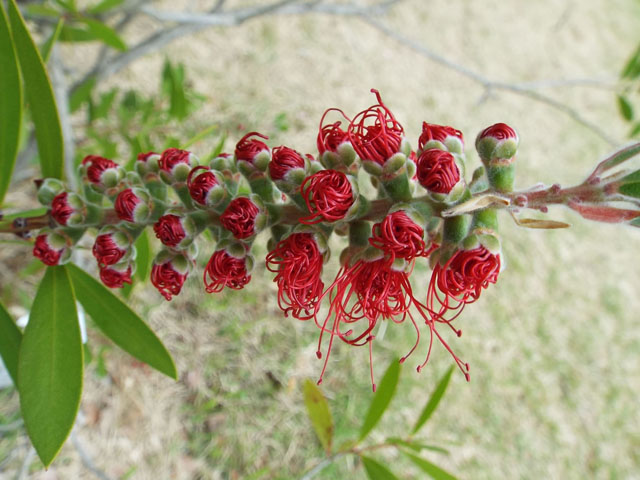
<point>50,365</point>
<point>630,189</point>
<point>625,107</point>
<point>382,398</point>
<point>429,468</point>
<point>81,94</point>
<point>635,130</point>
<point>377,471</point>
<point>632,68</point>
<point>416,446</point>
<point>433,401</point>
<point>10,104</point>
<point>10,338</point>
<point>319,413</point>
<point>121,324</point>
<point>143,256</point>
<point>45,50</point>
<point>105,33</point>
<point>105,6</point>
<point>42,103</point>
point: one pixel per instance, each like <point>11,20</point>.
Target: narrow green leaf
<point>429,468</point>
<point>10,104</point>
<point>200,136</point>
<point>625,107</point>
<point>105,6</point>
<point>10,338</point>
<point>39,10</point>
<point>630,189</point>
<point>382,398</point>
<point>632,68</point>
<point>105,33</point>
<point>45,49</point>
<point>42,103</point>
<point>76,34</point>
<point>50,365</point>
<point>635,130</point>
<point>121,324</point>
<point>81,94</point>
<point>143,256</point>
<point>416,446</point>
<point>376,471</point>
<point>319,413</point>
<point>69,5</point>
<point>433,401</point>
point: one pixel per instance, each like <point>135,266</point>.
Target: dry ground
<point>554,346</point>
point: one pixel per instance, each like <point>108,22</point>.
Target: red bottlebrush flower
<point>201,184</point>
<point>96,166</point>
<point>499,131</point>
<point>240,217</point>
<point>375,133</point>
<point>329,196</point>
<point>168,279</point>
<point>247,149</point>
<point>331,136</point>
<point>438,133</point>
<point>115,276</point>
<point>60,208</point>
<point>169,230</point>
<point>284,159</point>
<point>46,252</point>
<point>129,206</point>
<point>437,171</point>
<point>224,270</point>
<point>400,237</point>
<point>109,250</point>
<point>297,262</point>
<point>173,157</point>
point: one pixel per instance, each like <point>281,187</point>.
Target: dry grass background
<point>554,347</point>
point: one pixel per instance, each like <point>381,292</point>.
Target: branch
<point>525,90</point>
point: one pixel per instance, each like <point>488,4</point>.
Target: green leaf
<point>319,413</point>
<point>45,49</point>
<point>39,10</point>
<point>10,104</point>
<point>630,189</point>
<point>81,94</point>
<point>76,34</point>
<point>121,324</point>
<point>416,446</point>
<point>632,68</point>
<point>143,256</point>
<point>382,398</point>
<point>42,103</point>
<point>50,365</point>
<point>635,130</point>
<point>433,401</point>
<point>105,6</point>
<point>377,471</point>
<point>101,110</point>
<point>10,338</point>
<point>105,33</point>
<point>429,468</point>
<point>173,84</point>
<point>200,136</point>
<point>625,107</point>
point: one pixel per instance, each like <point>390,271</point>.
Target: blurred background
<point>554,346</point>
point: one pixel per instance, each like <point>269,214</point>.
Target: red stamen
<point>328,195</point>
<point>223,270</point>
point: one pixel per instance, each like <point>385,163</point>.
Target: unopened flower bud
<point>147,163</point>
<point>48,189</point>
<point>243,217</point>
<point>68,209</point>
<point>251,153</point>
<point>175,231</point>
<point>228,267</point>
<point>101,172</point>
<point>112,246</point>
<point>438,172</point>
<point>206,187</point>
<point>169,272</point>
<point>497,142</point>
<point>132,205</point>
<point>52,249</point>
<point>400,236</point>
<point>329,196</point>
<point>334,147</point>
<point>287,168</point>
<point>441,137</point>
<point>115,276</point>
<point>175,165</point>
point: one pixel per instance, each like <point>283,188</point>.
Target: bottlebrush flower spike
<point>497,142</point>
<point>111,246</point>
<point>101,172</point>
<point>440,136</point>
<point>399,236</point>
<point>51,249</point>
<point>68,209</point>
<point>132,205</point>
<point>169,273</point>
<point>243,218</point>
<point>115,276</point>
<point>297,262</point>
<point>375,134</point>
<point>253,151</point>
<point>438,172</point>
<point>174,231</point>
<point>329,195</point>
<point>205,187</point>
<point>228,267</point>
<point>175,165</point>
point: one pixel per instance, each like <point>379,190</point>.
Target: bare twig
<point>488,84</point>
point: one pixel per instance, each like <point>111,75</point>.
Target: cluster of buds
<point>298,201</point>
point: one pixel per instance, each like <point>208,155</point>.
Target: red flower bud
<point>284,159</point>
<point>200,182</point>
<point>129,206</point>
<point>400,237</point>
<point>115,276</point>
<point>437,171</point>
<point>240,217</point>
<point>173,157</point>
<point>331,136</point>
<point>224,270</point>
<point>375,133</point>
<point>108,250</point>
<point>499,131</point>
<point>96,166</point>
<point>439,133</point>
<point>144,157</point>
<point>498,142</point>
<point>167,278</point>
<point>60,208</point>
<point>329,196</point>
<point>248,148</point>
<point>169,230</point>
<point>297,261</point>
<point>46,252</point>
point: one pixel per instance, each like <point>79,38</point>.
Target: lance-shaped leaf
<point>604,213</point>
<point>10,337</point>
<point>614,160</point>
<point>10,104</point>
<point>143,256</point>
<point>382,398</point>
<point>434,401</point>
<point>429,468</point>
<point>50,365</point>
<point>47,46</point>
<point>105,33</point>
<point>539,223</point>
<point>377,471</point>
<point>121,324</point>
<point>42,103</point>
<point>319,413</point>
